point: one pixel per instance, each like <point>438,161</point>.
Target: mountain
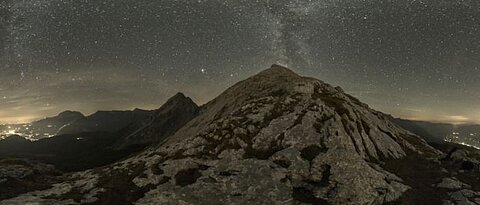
<point>52,125</point>
<point>72,122</point>
<point>165,121</point>
<point>105,121</point>
<point>431,132</point>
<point>46,127</point>
<point>435,133</point>
<point>84,150</point>
<point>278,138</point>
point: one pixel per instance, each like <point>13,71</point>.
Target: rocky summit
<point>274,138</point>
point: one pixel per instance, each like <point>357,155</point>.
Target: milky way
<point>414,59</point>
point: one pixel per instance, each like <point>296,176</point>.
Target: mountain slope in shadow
<point>165,121</point>
<point>105,121</point>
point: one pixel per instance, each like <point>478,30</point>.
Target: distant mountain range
<point>105,121</point>
<point>72,122</point>
<point>438,132</point>
<point>432,132</point>
<point>42,128</point>
<point>104,137</point>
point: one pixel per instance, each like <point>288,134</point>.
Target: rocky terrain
<point>18,176</point>
<point>278,138</point>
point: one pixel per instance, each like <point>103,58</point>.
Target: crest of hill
<point>274,81</point>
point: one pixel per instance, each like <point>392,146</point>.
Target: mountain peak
<point>280,67</point>
<point>69,113</point>
<point>179,99</point>
<point>278,70</point>
<point>179,96</point>
<point>315,131</point>
<point>140,110</point>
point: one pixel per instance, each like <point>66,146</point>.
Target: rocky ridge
<point>274,138</point>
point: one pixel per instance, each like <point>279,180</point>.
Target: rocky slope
<point>165,121</point>
<point>19,176</point>
<point>274,138</point>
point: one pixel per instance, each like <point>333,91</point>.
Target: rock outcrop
<point>274,138</point>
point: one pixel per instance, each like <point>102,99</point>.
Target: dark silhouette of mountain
<point>105,121</point>
<point>71,122</point>
<point>165,121</point>
<point>431,132</point>
<point>437,133</point>
<point>280,138</point>
<point>50,126</point>
<point>61,119</point>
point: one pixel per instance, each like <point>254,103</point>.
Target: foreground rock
<point>452,183</point>
<point>275,138</point>
<point>18,176</point>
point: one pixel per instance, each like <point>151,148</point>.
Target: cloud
<point>457,119</point>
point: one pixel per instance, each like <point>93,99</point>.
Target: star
<point>124,54</point>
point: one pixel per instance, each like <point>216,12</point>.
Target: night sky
<point>416,59</point>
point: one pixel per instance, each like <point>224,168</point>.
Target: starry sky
<point>416,59</point>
